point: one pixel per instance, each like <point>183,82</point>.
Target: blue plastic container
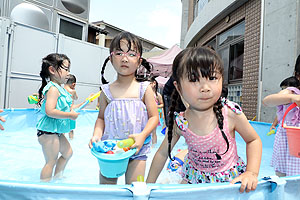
<point>113,165</point>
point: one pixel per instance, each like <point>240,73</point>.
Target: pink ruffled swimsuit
<point>201,163</point>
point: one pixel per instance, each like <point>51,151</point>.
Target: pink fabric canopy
<point>162,64</point>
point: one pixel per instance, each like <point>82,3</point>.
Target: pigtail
<point>173,107</point>
<point>103,80</point>
<point>44,74</point>
<point>218,111</point>
<point>41,96</point>
<point>148,66</point>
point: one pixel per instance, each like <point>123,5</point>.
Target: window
<point>236,60</point>
<point>230,47</point>
<point>70,29</point>
<point>212,44</point>
<point>224,55</point>
<point>233,33</point>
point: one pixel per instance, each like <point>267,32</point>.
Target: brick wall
<point>251,13</point>
<point>251,57</point>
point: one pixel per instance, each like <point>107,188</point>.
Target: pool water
<point>22,158</point>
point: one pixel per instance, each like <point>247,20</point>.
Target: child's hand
<point>296,99</point>
<point>73,115</point>
<point>1,119</point>
<point>272,127</point>
<point>139,141</point>
<point>94,139</point>
<point>92,94</point>
<point>248,181</point>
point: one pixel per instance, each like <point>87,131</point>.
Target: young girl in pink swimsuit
<point>208,126</point>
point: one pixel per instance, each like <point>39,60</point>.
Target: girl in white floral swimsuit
<point>208,126</point>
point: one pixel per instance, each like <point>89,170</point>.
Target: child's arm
<point>283,97</point>
<point>52,96</point>
<point>151,106</point>
<point>161,157</point>
<point>74,106</point>
<point>274,124</point>
<point>72,92</point>
<point>74,95</point>
<point>1,119</point>
<point>160,100</point>
<point>99,125</point>
<point>240,124</point>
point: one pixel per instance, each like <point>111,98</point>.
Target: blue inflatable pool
<point>22,159</point>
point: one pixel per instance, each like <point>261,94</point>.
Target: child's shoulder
<point>51,86</point>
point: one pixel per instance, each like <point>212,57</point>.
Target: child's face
<point>201,94</point>
<point>63,72</point>
<point>125,62</point>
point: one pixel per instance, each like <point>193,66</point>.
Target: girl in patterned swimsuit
<point>58,115</point>
<point>208,126</point>
<point>284,164</point>
<point>127,107</point>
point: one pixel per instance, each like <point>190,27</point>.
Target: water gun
<point>125,143</point>
<point>271,132</point>
<point>89,100</point>
<point>33,99</point>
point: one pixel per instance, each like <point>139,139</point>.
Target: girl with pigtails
<point>208,126</point>
<point>127,107</point>
<point>57,115</point>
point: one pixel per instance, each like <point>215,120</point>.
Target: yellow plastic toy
<point>33,99</point>
<point>89,100</point>
<point>125,143</point>
<point>271,132</point>
<point>140,178</point>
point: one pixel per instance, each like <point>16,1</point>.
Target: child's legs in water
<point>66,153</point>
<point>154,136</point>
<point>50,146</point>
<point>104,180</point>
<point>135,168</point>
<point>279,174</point>
<point>71,134</point>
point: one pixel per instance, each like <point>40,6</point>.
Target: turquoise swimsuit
<point>54,125</point>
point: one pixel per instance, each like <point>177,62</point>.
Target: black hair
<point>291,81</point>
<point>131,40</point>
<point>55,60</point>
<point>297,67</point>
<point>191,62</point>
<point>224,92</point>
<point>153,80</point>
<point>71,79</point>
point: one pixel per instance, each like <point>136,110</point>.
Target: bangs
<point>198,62</point>
<point>195,70</point>
<point>133,42</point>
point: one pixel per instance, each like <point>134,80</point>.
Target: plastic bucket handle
<point>293,134</point>
<point>286,112</point>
